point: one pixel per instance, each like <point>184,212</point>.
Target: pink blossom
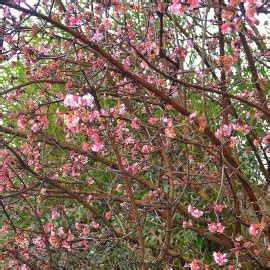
<point>134,123</point>
<point>86,244</point>
<point>169,131</point>
<point>227,130</point>
<point>74,21</point>
<point>89,198</point>
<point>146,149</point>
<point>266,139</point>
<point>36,127</point>
<point>134,168</point>
<point>253,229</point>
<point>98,36</point>
<point>195,212</point>
<point>49,227</point>
<point>75,101</point>
<point>176,183</point>
<point>86,146</point>
<point>190,43</point>
<point>216,227</point>
<point>122,109</point>
<point>176,8</point>
<point>66,245</point>
<point>193,3</point>
<point>131,34</point>
<point>97,146</point>
<point>218,208</point>
<point>21,123</point>
<point>107,24</point>
<point>5,11</point>
<point>126,63</point>
<point>61,232</point>
<point>70,101</point>
<point>129,140</point>
<point>192,116</point>
<point>95,224</point>
<point>194,265</point>
<point>4,229</point>
<point>239,238</point>
<point>90,132</point>
<point>119,188</point>
<point>71,121</point>
<point>88,100</point>
<point>220,228</point>
<point>38,241</point>
<point>220,258</point>
<point>86,229</point>
<point>250,12</point>
<point>246,129</point>
<point>256,142</point>
<point>226,28</point>
<point>90,181</point>
<point>78,226</point>
<point>53,239</point>
<point>257,115</point>
<point>168,107</point>
<point>43,191</point>
<point>247,244</point>
<point>23,267</point>
<point>108,214</point>
<point>54,213</point>
<point>93,115</point>
<point>48,85</point>
<point>70,236</point>
<point>212,227</point>
<point>18,2</point>
<point>152,120</point>
<point>44,120</point>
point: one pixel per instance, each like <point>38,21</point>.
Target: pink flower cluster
<point>187,224</point>
<point>220,258</point>
<point>245,128</point>
<point>266,139</point>
<point>169,130</point>
<point>146,149</point>
<point>194,265</point>
<point>225,131</point>
<point>218,208</point>
<point>176,8</point>
<point>71,121</point>
<point>98,144</point>
<point>216,227</point>
<point>134,123</point>
<point>75,101</point>
<point>194,3</point>
<point>226,28</point>
<point>254,229</point>
<point>195,212</point>
<point>98,36</point>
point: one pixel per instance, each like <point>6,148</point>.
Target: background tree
<point>134,134</point>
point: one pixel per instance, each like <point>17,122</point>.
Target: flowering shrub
<point>133,134</point>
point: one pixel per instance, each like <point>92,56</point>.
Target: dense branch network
<point>134,134</point>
